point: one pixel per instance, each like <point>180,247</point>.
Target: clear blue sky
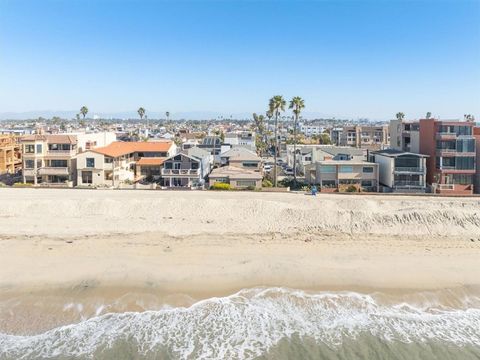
<point>345,58</point>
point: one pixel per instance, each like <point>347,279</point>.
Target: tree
<point>276,106</point>
<point>141,112</point>
<point>297,104</point>
<point>400,116</point>
<point>77,117</point>
<point>84,111</point>
<point>429,115</point>
<point>167,114</point>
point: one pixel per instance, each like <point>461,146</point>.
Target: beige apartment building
<point>339,175</point>
<point>364,136</point>
<point>10,154</point>
<point>50,159</point>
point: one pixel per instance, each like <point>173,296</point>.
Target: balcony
<point>60,153</point>
<point>53,171</point>
<point>181,172</point>
<point>446,136</point>
<point>406,169</point>
<point>408,184</point>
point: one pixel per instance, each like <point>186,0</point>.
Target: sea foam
<point>249,323</point>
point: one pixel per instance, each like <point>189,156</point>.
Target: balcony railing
<point>416,169</point>
<point>60,152</point>
<point>407,184</point>
<point>180,172</point>
<point>53,171</point>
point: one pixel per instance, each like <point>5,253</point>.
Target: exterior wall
<point>240,164</point>
<point>427,146</point>
<point>237,183</point>
<point>415,142</point>
<point>356,176</point>
<point>396,129</point>
<point>385,169</point>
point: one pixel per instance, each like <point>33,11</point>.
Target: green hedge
<point>220,186</point>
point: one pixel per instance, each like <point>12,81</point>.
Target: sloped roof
<point>197,152</point>
<point>240,153</point>
<point>119,148</point>
<point>51,139</point>
<point>150,161</point>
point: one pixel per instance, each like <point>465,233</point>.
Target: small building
<point>340,175</point>
<point>401,171</point>
<point>241,157</point>
<point>237,177</point>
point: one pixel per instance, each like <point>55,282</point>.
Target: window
<point>345,169</point>
<point>29,164</point>
<point>194,165</point>
<point>368,169</point>
<point>465,163</point>
<point>246,183</point>
<point>90,162</point>
<point>329,183</point>
<point>462,179</point>
<point>367,183</point>
<point>249,164</point>
<point>86,177</point>
<point>330,169</point>
<point>29,149</point>
<point>108,160</point>
<point>39,148</point>
<point>58,163</point>
<point>39,163</point>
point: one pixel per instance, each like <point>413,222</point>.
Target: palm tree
<point>84,111</point>
<point>276,105</point>
<point>400,116</point>
<point>429,115</point>
<point>259,121</point>
<point>297,104</point>
<point>141,112</point>
<point>167,114</point>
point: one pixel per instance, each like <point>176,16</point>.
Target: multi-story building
<point>401,171</point>
<point>243,138</point>
<point>405,135</point>
<point>10,154</point>
<point>311,129</point>
<point>121,162</point>
<point>450,145</point>
<point>476,134</point>
<point>343,175</point>
<point>363,136</point>
<point>187,169</point>
<point>50,159</point>
<point>335,135</point>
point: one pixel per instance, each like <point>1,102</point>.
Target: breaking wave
<point>249,323</point>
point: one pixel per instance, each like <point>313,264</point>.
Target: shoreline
<point>185,247</point>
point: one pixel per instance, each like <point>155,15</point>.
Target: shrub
<point>351,188</point>
<point>20,184</point>
<point>149,178</point>
<point>220,186</point>
<point>251,187</point>
<point>2,184</point>
<point>266,183</point>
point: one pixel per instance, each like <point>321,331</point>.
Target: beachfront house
<point>401,171</point>
<point>189,168</point>
<point>122,162</point>
<point>343,175</point>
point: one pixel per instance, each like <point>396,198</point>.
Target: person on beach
<point>314,190</point>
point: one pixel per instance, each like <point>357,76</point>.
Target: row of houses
<point>97,160</point>
<point>427,155</point>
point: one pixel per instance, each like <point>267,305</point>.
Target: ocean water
<point>272,323</point>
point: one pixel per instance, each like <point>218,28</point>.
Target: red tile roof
<point>150,161</point>
<point>119,148</point>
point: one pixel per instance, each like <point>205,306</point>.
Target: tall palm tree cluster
<point>276,106</point>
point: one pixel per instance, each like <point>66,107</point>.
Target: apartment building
<point>121,162</point>
<point>476,134</point>
<point>10,154</point>
<point>50,159</point>
<point>343,175</point>
<point>363,136</point>
<point>405,135</point>
<point>401,171</point>
<point>452,161</point>
<point>311,129</point>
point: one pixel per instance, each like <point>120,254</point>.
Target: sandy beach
<point>185,246</point>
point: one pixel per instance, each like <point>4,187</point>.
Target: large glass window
<point>465,163</point>
<point>87,177</point>
<point>58,163</point>
<point>367,169</point>
<point>466,145</point>
<point>328,169</point>
<point>462,179</point>
<point>245,183</point>
<point>29,149</point>
<point>39,148</point>
<point>90,162</point>
<point>29,164</point>
<point>345,169</point>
